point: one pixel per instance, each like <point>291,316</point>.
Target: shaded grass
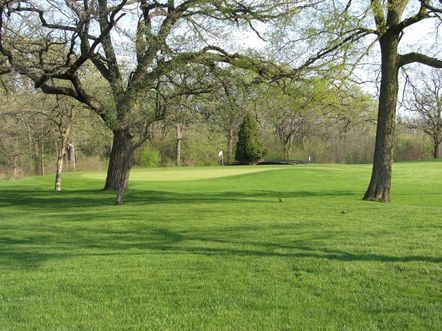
<point>224,253</point>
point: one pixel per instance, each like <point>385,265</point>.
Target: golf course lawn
<point>234,248</point>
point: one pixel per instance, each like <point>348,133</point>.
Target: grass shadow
<point>144,240</point>
<point>50,200</point>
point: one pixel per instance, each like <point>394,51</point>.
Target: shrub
<point>149,157</point>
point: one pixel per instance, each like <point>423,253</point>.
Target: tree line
<point>131,61</point>
<point>40,131</point>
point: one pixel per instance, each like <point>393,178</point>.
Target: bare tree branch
<point>420,58</point>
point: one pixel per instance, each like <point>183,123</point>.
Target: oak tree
<point>132,44</point>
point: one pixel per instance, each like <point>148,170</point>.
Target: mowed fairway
<point>287,248</point>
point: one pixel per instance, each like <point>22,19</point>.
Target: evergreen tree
<point>249,149</point>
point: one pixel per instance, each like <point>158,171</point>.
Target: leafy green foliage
<point>249,149</point>
<point>201,146</point>
<point>149,157</point>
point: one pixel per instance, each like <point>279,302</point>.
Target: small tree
<point>249,149</point>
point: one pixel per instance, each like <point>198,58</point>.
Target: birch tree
<point>62,117</point>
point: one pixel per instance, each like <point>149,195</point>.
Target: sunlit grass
<point>174,174</point>
<point>283,249</point>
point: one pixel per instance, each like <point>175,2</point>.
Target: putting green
<point>188,173</point>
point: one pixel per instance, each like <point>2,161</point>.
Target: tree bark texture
<point>120,163</point>
<point>58,171</point>
<point>380,183</point>
<point>61,150</point>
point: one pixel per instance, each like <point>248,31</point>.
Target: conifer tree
<point>249,149</point>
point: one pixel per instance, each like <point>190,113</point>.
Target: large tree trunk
<point>179,138</point>
<point>380,184</point>
<point>120,162</point>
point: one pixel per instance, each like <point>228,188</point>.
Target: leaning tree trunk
<point>380,184</point>
<point>120,163</point>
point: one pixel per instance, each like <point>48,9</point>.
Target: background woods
<point>183,75</point>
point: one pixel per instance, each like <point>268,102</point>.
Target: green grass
<point>174,174</point>
<point>223,253</point>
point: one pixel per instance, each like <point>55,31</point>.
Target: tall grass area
<point>291,248</point>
